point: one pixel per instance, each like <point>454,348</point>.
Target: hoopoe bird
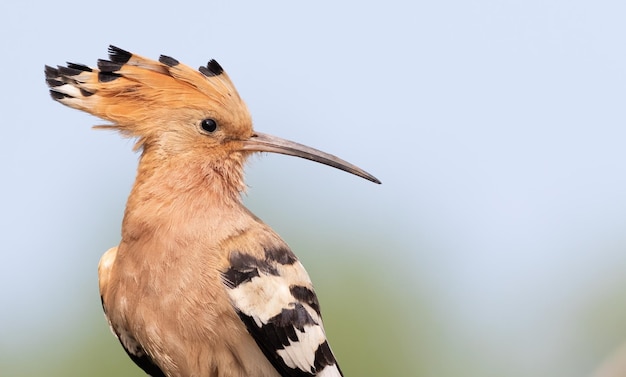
<point>198,286</point>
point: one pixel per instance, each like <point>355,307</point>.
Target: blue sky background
<point>496,127</point>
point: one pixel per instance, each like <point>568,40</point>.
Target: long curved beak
<point>260,142</point>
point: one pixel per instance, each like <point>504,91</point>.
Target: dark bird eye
<point>209,125</point>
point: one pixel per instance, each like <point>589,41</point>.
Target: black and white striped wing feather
<point>274,298</point>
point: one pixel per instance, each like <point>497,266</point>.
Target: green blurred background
<point>495,246</point>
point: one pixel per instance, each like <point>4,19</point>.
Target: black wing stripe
<point>244,267</point>
<point>324,357</point>
<point>307,296</point>
<point>276,336</point>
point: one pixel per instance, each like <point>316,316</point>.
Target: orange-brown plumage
<point>198,285</point>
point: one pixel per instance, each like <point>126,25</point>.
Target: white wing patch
<point>263,297</point>
<point>309,339</point>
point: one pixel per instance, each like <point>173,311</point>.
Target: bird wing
<point>275,300</point>
<point>134,350</point>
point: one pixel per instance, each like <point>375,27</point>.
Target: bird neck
<point>173,190</point>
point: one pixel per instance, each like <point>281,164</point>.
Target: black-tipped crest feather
<point>81,67</point>
<point>107,76</point>
<point>69,70</point>
<point>58,95</point>
<point>213,68</point>
<point>109,66</point>
<point>118,55</point>
<point>51,72</point>
<point>168,60</point>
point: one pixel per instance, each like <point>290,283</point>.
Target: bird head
<point>173,110</point>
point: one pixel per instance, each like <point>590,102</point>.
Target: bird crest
<point>143,98</point>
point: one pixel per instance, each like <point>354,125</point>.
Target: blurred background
<point>494,247</point>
